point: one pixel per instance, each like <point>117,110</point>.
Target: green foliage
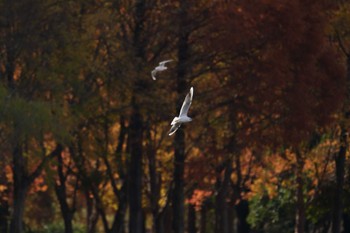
<point>272,215</point>
<point>31,118</point>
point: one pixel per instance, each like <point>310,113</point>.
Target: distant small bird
<point>160,67</point>
<point>182,118</point>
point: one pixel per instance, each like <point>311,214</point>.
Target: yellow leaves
<point>266,182</point>
<point>49,142</point>
<point>271,191</point>
<point>108,196</point>
<point>234,177</point>
<point>163,198</point>
<point>277,171</point>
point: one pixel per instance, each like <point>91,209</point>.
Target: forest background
<point>84,129</point>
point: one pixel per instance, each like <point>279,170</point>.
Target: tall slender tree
<point>339,33</point>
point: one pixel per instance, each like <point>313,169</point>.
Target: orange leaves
<point>2,188</point>
<point>8,173</point>
<point>39,185</point>
<point>278,170</point>
<point>3,192</point>
<point>6,180</point>
<point>198,197</point>
<point>267,175</point>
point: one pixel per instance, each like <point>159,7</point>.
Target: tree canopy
<point>84,127</point>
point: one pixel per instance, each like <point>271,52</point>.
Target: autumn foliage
<point>84,127</point>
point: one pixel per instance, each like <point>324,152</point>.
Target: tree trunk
<point>4,215</point>
<point>19,196</point>
<point>68,226</point>
<point>89,186</point>
<point>346,223</point>
<point>221,224</point>
<point>340,163</point>
<point>100,208</point>
<point>135,171</point>
<point>178,193</point>
<point>136,129</point>
<point>179,141</point>
<point>20,188</point>
<point>242,210</point>
<point>191,228</point>
<point>222,188</point>
<point>231,210</point>
<point>203,222</point>
<point>300,205</point>
<point>155,182</point>
<point>21,182</point>
<point>120,194</point>
<point>91,213</point>
<point>118,224</point>
<point>339,172</point>
<point>60,189</point>
<point>159,223</point>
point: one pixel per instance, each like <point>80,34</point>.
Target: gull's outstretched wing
<point>175,120</point>
<point>174,128</point>
<point>153,73</point>
<point>187,103</point>
<point>164,62</point>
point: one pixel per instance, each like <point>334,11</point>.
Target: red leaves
<point>281,64</point>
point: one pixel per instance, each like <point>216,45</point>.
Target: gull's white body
<point>159,68</point>
<point>182,118</point>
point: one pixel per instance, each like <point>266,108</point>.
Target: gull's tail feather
<point>153,73</point>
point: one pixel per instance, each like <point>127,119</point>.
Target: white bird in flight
<point>160,67</point>
<point>182,118</point>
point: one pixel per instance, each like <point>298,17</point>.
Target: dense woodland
<point>84,144</point>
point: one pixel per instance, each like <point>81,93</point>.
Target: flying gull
<point>182,118</point>
<point>160,67</point>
